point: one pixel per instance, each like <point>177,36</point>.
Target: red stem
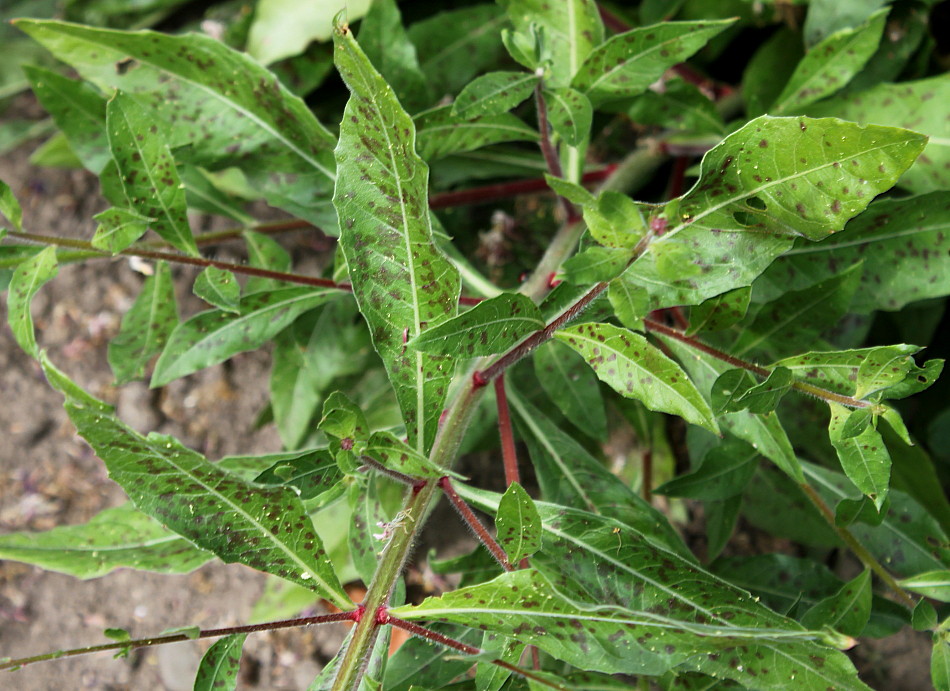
<point>389,472</point>
<point>508,453</point>
<point>503,190</point>
<point>647,471</point>
<point>550,153</point>
<point>680,163</point>
<point>481,532</point>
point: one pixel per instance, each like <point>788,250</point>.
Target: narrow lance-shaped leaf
<point>118,228</point>
<point>31,275</point>
<point>219,666</point>
<point>441,133</point>
<point>719,312</point>
<point>572,386</point>
<point>636,369</point>
<point>145,327</point>
<point>847,610</point>
<point>213,336</point>
<point>120,537</point>
<point>570,114</point>
<point>10,208</point>
<point>864,457</point>
<point>766,184</point>
<point>228,110</point>
<point>402,282</point>
<point>492,326</point>
<point>386,44</point>
<point>830,65</point>
<point>934,584</point>
<point>517,524</point>
<point>494,93</point>
<point>147,170</point>
<point>628,63</point>
<point>393,453</point>
<point>265,528</point>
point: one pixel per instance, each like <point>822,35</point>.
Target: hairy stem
<point>508,454</point>
<point>178,637</point>
<point>476,526</point>
<point>548,149</point>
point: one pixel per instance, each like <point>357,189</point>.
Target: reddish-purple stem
<point>680,163</point>
<point>648,475</point>
<point>508,454</point>
<point>503,190</point>
<point>550,153</point>
<point>389,472</point>
<point>470,519</point>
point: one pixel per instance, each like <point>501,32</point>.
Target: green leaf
<point>455,45</point>
<point>933,584</point>
<point>721,519</point>
<point>846,611</point>
<point>628,63</point>
<point>915,105</point>
<point>904,246</point>
<point>719,312</point>
<point>769,69</point>
<point>572,387</point>
<point>570,114</point>
<point>386,44</point>
<point>764,432</point>
<point>828,16</point>
<point>147,169</point>
<point>631,366</point>
<point>924,616</point>
<point>441,133</point>
<point>864,458</point>
<point>145,327</point>
<point>737,389</point>
<point>517,524</point>
<point>31,275</point>
<point>216,335</point>
<point>615,221</point>
<point>724,473</point>
<point>765,184</point>
<point>228,110</point>
<point>391,452</point>
<point>569,475</point>
<point>121,537</point>
<point>422,662</point>
<point>403,284</point>
<point>264,252</point>
<point>569,32</point>
<point>282,28</point>
<point>492,326</point>
<point>312,473</point>
<point>174,484</point>
<point>494,93</point>
<point>831,64</point>
<point>118,228</point>
<point>10,208</point>
<point>680,106</point>
<point>220,665</point>
<point>940,662</point>
<point>219,288</point>
<point>368,514</point>
<point>79,111</point>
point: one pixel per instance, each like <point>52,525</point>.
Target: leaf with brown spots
<point>147,171</point>
<point>864,457</point>
<point>266,528</point>
<point>30,275</point>
<point>636,369</point>
<point>768,183</point>
<point>570,114</point>
<point>121,537</point>
<point>219,288</point>
<point>572,387</point>
<point>846,611</point>
<point>390,451</point>
<point>830,65</point>
<point>719,312</point>
<point>118,228</point>
<point>440,133</point>
<point>492,326</point>
<point>220,665</point>
<point>9,208</point>
<point>517,524</point>
<point>628,63</point>
<point>402,282</point>
<point>145,327</point>
<point>494,93</point>
<point>216,104</point>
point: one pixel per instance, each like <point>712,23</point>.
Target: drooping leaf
<point>864,457</point>
<point>570,30</point>
<point>455,45</point>
<point>427,664</point>
<point>492,326</point>
<point>147,170</point>
<point>176,486</point>
<point>228,109</point>
<point>145,327</point>
<point>368,515</point>
<point>830,65</point>
<point>636,369</point>
<point>517,524</point>
<point>737,389</point>
<point>118,228</point>
<point>219,287</point>
<point>492,677</point>
<point>218,670</point>
<point>904,246</point>
<point>31,275</point>
<point>846,611</point>
<point>764,185</point>
<point>572,387</point>
<point>915,105</point>
<point>628,63</point>
<point>120,537</point>
<point>441,133</point>
<point>402,282</point>
<point>79,111</point>
<point>213,336</point>
<point>570,114</point>
<point>494,93</point>
<point>386,44</point>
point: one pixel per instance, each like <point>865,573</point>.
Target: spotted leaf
<point>846,611</point>
<point>517,524</point>
<point>570,114</point>
<point>773,180</point>
<point>218,287</point>
<point>441,133</point>
<point>572,387</point>
<point>494,93</point>
<point>719,312</point>
<point>10,208</point>
<point>220,665</point>
<point>31,275</point>
<point>636,369</point>
<point>402,282</point>
<point>388,450</point>
<point>491,326</point>
<point>864,457</point>
<point>118,228</point>
<point>266,528</point>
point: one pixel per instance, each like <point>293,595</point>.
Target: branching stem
<point>477,527</point>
